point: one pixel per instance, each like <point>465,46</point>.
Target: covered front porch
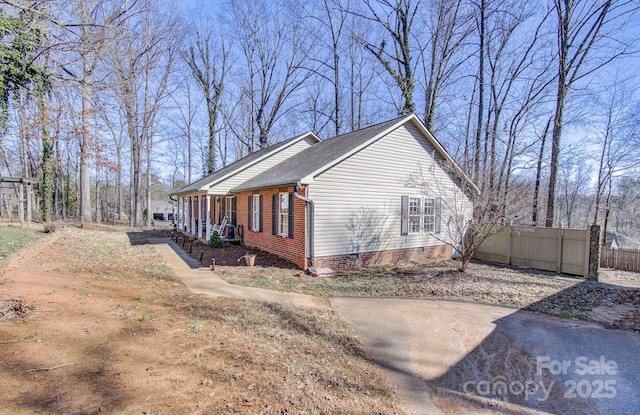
<point>198,213</point>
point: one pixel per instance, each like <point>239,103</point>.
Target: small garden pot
<point>250,260</point>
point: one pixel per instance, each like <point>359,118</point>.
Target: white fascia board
<point>307,179</point>
<point>236,171</point>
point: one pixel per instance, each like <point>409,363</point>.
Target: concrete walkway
<point>202,280</point>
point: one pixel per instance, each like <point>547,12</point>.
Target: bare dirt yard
<point>92,322</point>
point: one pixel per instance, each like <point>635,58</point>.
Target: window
<point>429,215</point>
<point>257,213</point>
<point>415,216</point>
<point>420,215</point>
<point>283,214</point>
<point>230,209</point>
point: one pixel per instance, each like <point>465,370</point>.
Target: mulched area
<point>228,255</point>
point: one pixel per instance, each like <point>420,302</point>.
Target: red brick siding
<point>371,259</point>
<point>291,249</point>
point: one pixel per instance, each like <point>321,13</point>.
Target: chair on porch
<point>220,228</point>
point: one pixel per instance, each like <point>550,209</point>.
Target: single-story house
<point>208,200</point>
<point>382,194</point>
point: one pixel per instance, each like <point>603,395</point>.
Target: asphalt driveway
<point>453,357</point>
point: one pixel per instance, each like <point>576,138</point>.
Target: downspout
<point>310,205</point>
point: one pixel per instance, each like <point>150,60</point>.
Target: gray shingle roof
<point>313,158</point>
<point>235,166</point>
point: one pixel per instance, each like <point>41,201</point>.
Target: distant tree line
<point>536,101</point>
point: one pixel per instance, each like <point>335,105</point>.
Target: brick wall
<point>371,259</point>
<point>292,249</point>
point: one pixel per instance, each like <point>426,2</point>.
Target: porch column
<point>187,214</point>
<point>208,210</point>
<point>184,213</point>
<point>199,216</point>
<point>173,212</point>
<point>192,216</point>
<point>180,213</point>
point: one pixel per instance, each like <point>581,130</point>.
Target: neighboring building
<point>379,195</point>
<point>617,241</point>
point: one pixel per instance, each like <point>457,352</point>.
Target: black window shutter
<point>404,216</point>
<point>438,215</point>
<point>274,214</point>
<point>260,207</point>
<point>250,210</point>
<point>290,215</point>
<point>234,210</point>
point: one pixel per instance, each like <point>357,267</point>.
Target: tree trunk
<point>478,136</point>
<point>98,189</point>
<point>536,190</point>
<point>555,152</point>
<point>47,160</point>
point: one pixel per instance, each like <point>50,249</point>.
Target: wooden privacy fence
<point>621,258</point>
<point>565,251</point>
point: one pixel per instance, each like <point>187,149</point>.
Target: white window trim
<point>422,215</point>
<point>228,209</point>
<point>431,216</point>
<point>419,216</point>
<point>283,215</point>
<point>255,225</point>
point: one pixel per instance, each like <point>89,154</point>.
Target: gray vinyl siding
<point>243,175</point>
<point>358,201</point>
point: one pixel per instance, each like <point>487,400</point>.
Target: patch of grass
<point>146,315</point>
<point>12,239</point>
<point>102,365</point>
<point>123,311</point>
<point>196,325</point>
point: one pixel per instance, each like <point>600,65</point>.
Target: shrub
<point>214,240</point>
<point>49,227</point>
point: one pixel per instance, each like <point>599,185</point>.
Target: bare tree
<point>449,29</point>
<point>276,55</point>
<point>332,21</point>
<point>583,27</point>
<point>575,175</point>
<point>187,106</point>
<point>208,61</point>
<point>616,154</point>
<point>397,20</point>
<point>89,28</point>
<point>467,216</point>
<point>142,57</point>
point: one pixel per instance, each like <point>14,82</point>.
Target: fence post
<point>594,252</point>
<point>510,239</point>
<point>559,250</point>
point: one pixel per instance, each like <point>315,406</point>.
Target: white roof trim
<point>234,172</point>
<point>310,177</point>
